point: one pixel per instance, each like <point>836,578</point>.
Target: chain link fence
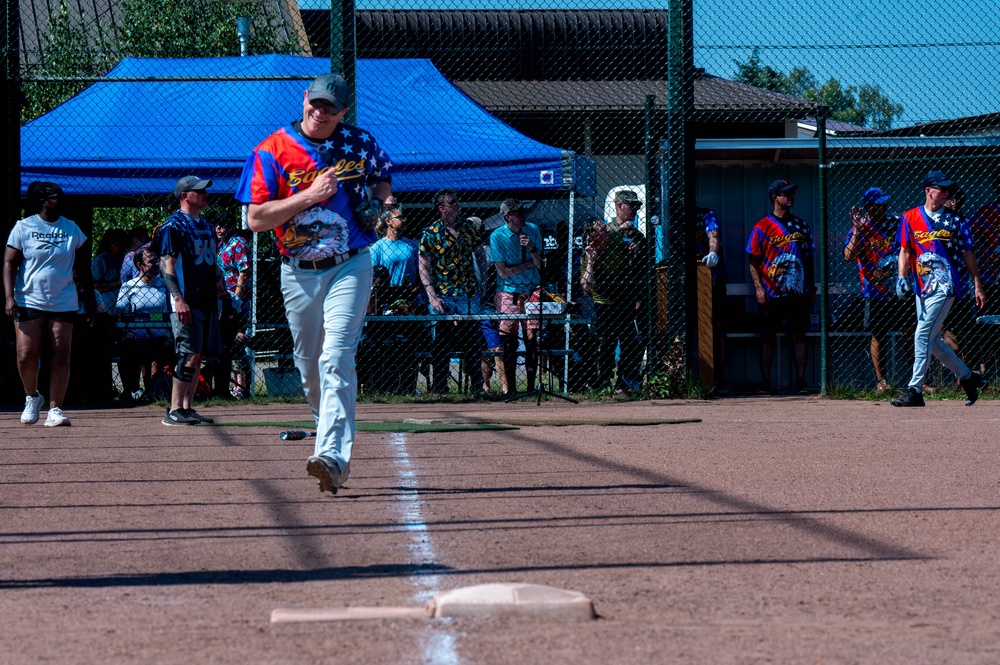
<point>641,142</point>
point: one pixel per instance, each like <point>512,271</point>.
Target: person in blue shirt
<point>514,250</point>
<point>394,250</point>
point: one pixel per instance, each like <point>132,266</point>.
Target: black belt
<point>321,264</point>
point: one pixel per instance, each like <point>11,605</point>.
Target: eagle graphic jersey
<point>878,259</point>
<point>985,225</point>
<point>936,249</point>
<point>287,162</point>
<point>783,246</point>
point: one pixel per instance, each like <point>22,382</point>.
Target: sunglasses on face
<point>324,106</point>
<point>452,202</point>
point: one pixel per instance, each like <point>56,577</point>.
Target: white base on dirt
<point>512,598</point>
<point>503,599</point>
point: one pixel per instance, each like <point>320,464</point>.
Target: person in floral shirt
<point>234,261</point>
<point>448,250</point>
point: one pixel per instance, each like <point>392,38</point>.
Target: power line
<point>839,47</point>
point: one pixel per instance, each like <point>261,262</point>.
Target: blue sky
<point>938,60</point>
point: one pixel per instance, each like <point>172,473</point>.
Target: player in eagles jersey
<point>320,184</point>
<point>936,247</point>
<point>871,242</point>
<point>781,251</point>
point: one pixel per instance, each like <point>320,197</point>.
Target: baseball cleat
<point>971,387</point>
<point>911,397</point>
<point>326,471</point>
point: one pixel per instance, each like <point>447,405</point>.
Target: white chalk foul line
<point>440,646</point>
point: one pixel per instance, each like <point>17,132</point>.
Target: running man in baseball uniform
<point>320,183</point>
<point>936,246</point>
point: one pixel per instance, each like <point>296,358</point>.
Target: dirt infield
<point>775,530</point>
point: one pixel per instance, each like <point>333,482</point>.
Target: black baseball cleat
<point>911,397</point>
<point>179,417</point>
<point>971,387</point>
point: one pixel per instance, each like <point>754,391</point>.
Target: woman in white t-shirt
<point>40,294</point>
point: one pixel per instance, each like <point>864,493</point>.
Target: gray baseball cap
<point>190,183</point>
<point>512,205</point>
<point>330,88</point>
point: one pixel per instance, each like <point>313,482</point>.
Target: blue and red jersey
<point>783,245</point>
<point>936,249</point>
<point>878,259</point>
<point>287,162</point>
<point>985,225</point>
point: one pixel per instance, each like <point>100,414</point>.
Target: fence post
<point>343,51</point>
<point>824,278</point>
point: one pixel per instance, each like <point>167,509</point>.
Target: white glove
<point>711,259</point>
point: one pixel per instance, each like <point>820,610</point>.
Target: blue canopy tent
<point>131,135</point>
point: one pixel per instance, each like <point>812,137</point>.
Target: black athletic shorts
<point>787,313</point>
<point>31,314</point>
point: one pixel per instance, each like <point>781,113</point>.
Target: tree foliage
<point>68,51</point>
<point>197,29</point>
<point>859,105</point>
<point>145,29</point>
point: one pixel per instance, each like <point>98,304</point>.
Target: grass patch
<point>602,422</point>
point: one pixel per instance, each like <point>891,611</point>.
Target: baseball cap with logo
<point>627,196</point>
<point>780,187</point>
<point>874,196</point>
<point>330,88</point>
<point>937,179</point>
<point>512,205</point>
<point>190,183</point>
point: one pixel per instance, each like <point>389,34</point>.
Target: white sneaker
<point>55,418</point>
<point>32,405</point>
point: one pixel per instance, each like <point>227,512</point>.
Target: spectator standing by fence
<point>309,181</point>
<point>235,264</point>
<point>936,247</point>
<point>44,251</point>
<point>781,251</point>
<point>515,249</point>
<point>614,269</point>
<point>186,245</point>
<point>872,243</point>
<point>448,248</point>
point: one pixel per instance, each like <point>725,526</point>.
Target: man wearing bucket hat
<point>936,247</point>
<point>186,246</point>
<point>319,183</point>
<point>871,243</point>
